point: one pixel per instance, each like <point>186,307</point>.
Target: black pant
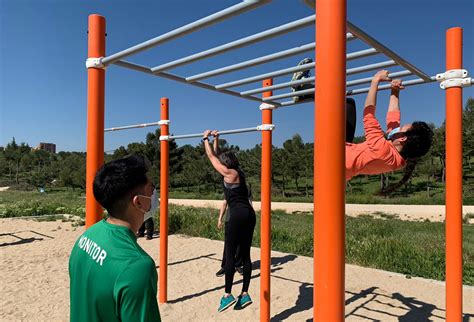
<point>351,114</point>
<point>240,233</point>
<point>238,258</point>
<point>149,226</point>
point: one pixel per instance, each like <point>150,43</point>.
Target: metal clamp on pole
<point>164,137</point>
<point>95,63</point>
<point>164,122</point>
<point>454,78</point>
<point>266,106</point>
<point>266,127</point>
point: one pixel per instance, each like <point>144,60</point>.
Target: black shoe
<point>240,270</point>
<point>220,272</point>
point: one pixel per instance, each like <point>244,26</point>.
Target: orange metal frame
<point>329,167</point>
<point>164,174</point>
<point>95,116</point>
<point>454,181</point>
<point>266,209</point>
<point>329,161</point>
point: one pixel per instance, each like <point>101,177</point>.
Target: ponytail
<point>409,169</point>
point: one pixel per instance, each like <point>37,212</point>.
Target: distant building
<point>50,147</point>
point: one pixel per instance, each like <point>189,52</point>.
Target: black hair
<point>229,159</point>
<point>418,143</point>
<point>117,181</point>
<point>419,139</point>
<point>409,169</point>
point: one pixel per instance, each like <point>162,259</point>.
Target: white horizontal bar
<point>270,33</point>
<point>200,135</point>
<point>128,127</point>
<point>239,8</point>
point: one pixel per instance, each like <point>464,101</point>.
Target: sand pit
<point>35,282</point>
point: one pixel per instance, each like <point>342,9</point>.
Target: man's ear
<point>403,139</point>
<point>136,201</point>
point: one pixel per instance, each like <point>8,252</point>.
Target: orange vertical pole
<point>164,173</point>
<point>329,160</point>
<point>95,116</point>
<point>454,181</point>
<point>266,208</point>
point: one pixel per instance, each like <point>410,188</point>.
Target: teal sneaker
<point>302,75</point>
<point>242,301</point>
<point>226,302</point>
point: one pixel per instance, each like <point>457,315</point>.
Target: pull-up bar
<point>332,32</point>
<point>263,127</point>
<point>388,86</point>
<point>253,62</point>
<point>270,33</point>
<point>128,127</point>
<point>359,54</point>
<point>350,71</point>
<point>189,28</point>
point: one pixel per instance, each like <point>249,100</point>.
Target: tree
<point>279,169</point>
<point>119,153</point>
<point>13,155</point>
<point>468,132</point>
<point>72,172</point>
<point>295,158</point>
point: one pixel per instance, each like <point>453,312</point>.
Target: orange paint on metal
<point>95,116</point>
<point>164,174</point>
<point>329,161</point>
<point>265,218</point>
<point>454,181</point>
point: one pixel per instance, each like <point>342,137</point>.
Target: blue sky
<point>44,46</point>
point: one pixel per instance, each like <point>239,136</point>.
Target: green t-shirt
<point>111,277</point>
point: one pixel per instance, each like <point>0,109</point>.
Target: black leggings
<point>238,259</point>
<point>240,233</point>
<point>350,119</point>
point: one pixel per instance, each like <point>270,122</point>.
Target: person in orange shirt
<point>398,147</point>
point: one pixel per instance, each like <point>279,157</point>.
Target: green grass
<point>411,248</point>
<point>33,203</point>
<point>364,190</point>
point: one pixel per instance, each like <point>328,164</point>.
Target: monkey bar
<point>333,32</point>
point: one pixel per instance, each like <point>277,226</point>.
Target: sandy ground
<point>404,212</point>
<point>34,282</point>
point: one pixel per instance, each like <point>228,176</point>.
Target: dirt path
<point>404,212</point>
<point>35,282</point>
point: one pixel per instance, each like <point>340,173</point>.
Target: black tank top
<point>237,194</point>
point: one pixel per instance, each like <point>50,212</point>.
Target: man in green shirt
<point>111,277</point>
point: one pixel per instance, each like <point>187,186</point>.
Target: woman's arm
<point>371,99</point>
<point>221,213</point>
<point>374,136</point>
<point>230,175</point>
<point>215,133</point>
<point>394,104</point>
<point>393,112</point>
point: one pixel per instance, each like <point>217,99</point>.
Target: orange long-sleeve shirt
<point>376,155</point>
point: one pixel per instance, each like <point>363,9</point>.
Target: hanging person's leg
<point>238,262</point>
<point>299,76</point>
<point>351,117</point>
